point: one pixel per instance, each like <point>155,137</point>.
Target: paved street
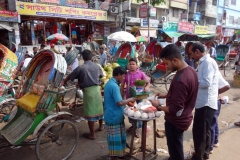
<point>97,149</point>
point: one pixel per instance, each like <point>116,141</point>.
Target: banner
<point>143,10</point>
<point>185,27</point>
<point>8,16</point>
<point>201,30</point>
<point>170,26</point>
<point>44,10</point>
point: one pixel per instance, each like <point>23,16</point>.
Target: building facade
<point>228,19</point>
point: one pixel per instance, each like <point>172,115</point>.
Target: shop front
<point>8,26</point>
<point>38,21</point>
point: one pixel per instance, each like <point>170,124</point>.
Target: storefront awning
<point>207,35</point>
<point>174,34</point>
<point>3,26</point>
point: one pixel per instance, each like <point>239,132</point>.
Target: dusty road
<point>97,149</point>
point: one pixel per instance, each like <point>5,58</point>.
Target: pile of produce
<point>140,82</point>
<point>143,110</point>
<point>107,72</point>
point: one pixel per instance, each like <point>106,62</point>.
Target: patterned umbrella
<point>57,37</point>
<point>141,39</point>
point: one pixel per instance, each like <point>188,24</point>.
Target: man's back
<point>181,98</point>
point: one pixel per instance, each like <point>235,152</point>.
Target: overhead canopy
<point>6,27</point>
<point>174,34</point>
<point>206,35</point>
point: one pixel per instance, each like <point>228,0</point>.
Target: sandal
<point>87,136</point>
<point>237,124</point>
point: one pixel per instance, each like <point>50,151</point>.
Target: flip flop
<point>87,136</point>
<point>237,124</point>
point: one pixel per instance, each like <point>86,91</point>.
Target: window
<point>220,17</point>
<point>239,20</point>
<point>236,21</point>
<point>233,2</point>
<point>175,12</point>
<point>214,2</point>
<point>231,20</point>
<point>132,13</point>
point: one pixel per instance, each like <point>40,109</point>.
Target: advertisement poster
<point>201,30</point>
<point>185,27</point>
<point>8,16</point>
<point>143,10</point>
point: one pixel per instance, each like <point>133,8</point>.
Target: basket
<point>138,95</point>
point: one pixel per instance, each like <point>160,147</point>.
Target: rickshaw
<point>8,65</point>
<point>222,58</point>
<point>160,75</point>
<point>36,120</point>
<point>234,51</point>
<point>122,54</point>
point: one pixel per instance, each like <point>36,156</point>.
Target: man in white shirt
<point>206,103</point>
<point>223,86</point>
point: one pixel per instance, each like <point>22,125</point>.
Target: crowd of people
<point>190,90</point>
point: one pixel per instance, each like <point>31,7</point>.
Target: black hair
<point>119,70</point>
<point>34,48</point>
<point>132,60</point>
<point>198,46</point>
<point>43,45</point>
<point>170,52</point>
<point>87,55</point>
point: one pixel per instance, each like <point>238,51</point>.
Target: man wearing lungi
<point>88,76</point>
<point>113,114</point>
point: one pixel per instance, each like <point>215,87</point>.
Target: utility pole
<point>120,14</point>
<point>187,9</point>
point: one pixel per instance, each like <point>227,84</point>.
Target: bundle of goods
<point>107,72</point>
<point>71,56</point>
<point>8,64</point>
<point>143,110</point>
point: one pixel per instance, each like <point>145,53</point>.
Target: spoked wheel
<point>227,68</point>
<point>169,81</point>
<point>156,82</point>
<point>57,141</point>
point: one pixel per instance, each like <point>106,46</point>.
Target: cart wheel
<point>57,141</point>
<point>169,81</point>
<point>227,68</point>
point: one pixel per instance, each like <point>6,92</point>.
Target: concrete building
<point>228,19</point>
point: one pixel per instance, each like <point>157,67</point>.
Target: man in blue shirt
<point>113,114</point>
<point>114,49</point>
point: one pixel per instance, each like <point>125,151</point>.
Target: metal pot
<point>80,93</point>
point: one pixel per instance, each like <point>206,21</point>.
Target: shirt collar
<point>114,80</point>
<point>204,58</point>
<point>137,71</point>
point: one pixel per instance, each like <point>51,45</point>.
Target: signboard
<point>35,9</point>
<point>153,23</point>
<point>50,1</point>
<point>228,32</point>
<point>74,3</point>
<point>133,20</point>
<point>201,30</point>
<point>143,10</point>
<point>185,27</point>
<point>152,33</point>
<point>152,12</point>
<point>170,26</point>
<point>197,16</point>
<point>8,16</point>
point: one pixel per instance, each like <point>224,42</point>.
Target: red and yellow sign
<point>44,10</point>
<point>8,16</point>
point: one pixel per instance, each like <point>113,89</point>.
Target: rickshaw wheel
<point>227,69</point>
<point>57,141</point>
<point>169,81</point>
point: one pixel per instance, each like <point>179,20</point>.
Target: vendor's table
<point>152,153</point>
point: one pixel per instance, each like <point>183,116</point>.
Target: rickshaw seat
<point>161,67</point>
<point>28,101</point>
<point>220,58</point>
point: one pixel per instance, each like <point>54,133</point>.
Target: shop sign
<point>185,27</point>
<point>153,23</point>
<point>9,16</point>
<point>201,30</point>
<point>50,1</point>
<point>170,27</point>
<point>44,10</point>
<point>228,32</point>
<point>76,3</point>
<point>133,20</point>
<point>197,16</point>
<point>143,10</point>
<point>152,12</point>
